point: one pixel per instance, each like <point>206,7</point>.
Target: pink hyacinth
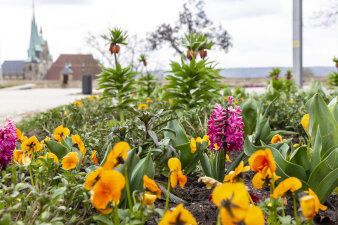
<point>226,127</point>
<point>7,142</point>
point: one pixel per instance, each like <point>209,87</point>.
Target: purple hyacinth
<point>7,142</point>
<point>226,127</point>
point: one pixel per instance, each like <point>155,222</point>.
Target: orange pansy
<point>150,185</point>
<point>178,216</point>
<point>233,200</point>
<point>108,189</point>
<point>93,157</point>
<point>92,178</point>
<point>233,174</point>
<point>289,184</point>
<point>277,138</point>
<point>61,132</point>
<point>176,174</point>
<point>70,161</point>
<point>117,155</point>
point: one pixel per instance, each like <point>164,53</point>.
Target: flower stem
<point>252,203</point>
<point>219,218</point>
<point>167,200</point>
<point>116,215</point>
<point>274,209</point>
<point>282,205</point>
<point>30,173</point>
<point>127,187</point>
<point>295,208</point>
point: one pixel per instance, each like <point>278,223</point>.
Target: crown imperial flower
<point>226,127</point>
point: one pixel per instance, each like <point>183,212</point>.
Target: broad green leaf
<point>327,185</point>
<point>131,162</point>
<point>249,115</point>
<point>248,147</point>
<point>291,169</point>
<point>333,106</point>
<point>235,163</point>
<point>144,166</point>
<point>322,171</point>
<point>185,155</point>
<point>58,149</point>
<point>181,137</point>
<point>317,148</point>
<point>321,115</point>
<point>205,164</point>
<point>301,157</point>
<point>103,219</point>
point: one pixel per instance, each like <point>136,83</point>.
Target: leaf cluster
<point>117,84</point>
<point>192,84</point>
<point>116,36</point>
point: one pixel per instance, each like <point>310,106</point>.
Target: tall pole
<point>298,42</point>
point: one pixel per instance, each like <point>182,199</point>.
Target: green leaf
<point>205,164</point>
<point>103,219</point>
<point>249,115</point>
<point>327,185</point>
<point>131,161</point>
<point>181,137</point>
<point>321,115</point>
<point>323,179</point>
<point>6,219</point>
<point>301,157</point>
<point>248,147</point>
<point>333,106</point>
<point>236,162</point>
<point>108,149</point>
<point>317,148</point>
<point>144,166</point>
<point>291,169</point>
<point>58,149</point>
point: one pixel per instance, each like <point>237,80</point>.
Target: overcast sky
<point>261,30</point>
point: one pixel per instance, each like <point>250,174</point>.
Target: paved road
<point>18,104</point>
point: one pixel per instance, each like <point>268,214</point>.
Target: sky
<point>261,30</point>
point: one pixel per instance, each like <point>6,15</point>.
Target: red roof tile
<point>91,66</point>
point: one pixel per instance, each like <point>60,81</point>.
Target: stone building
<point>13,70</point>
<point>37,63</point>
<point>71,67</point>
<point>39,60</point>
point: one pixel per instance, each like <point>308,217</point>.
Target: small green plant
<point>147,83</point>
<point>288,75</point>
<point>333,77</point>
<point>275,72</point>
<point>192,84</point>
<point>117,84</point>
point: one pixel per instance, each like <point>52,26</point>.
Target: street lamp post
<point>298,42</point>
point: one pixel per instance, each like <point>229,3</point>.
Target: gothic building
<point>36,65</point>
<point>39,60</point>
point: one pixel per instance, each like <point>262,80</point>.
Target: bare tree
<point>328,16</point>
<point>191,19</point>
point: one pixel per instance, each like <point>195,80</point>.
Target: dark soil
<point>199,203</point>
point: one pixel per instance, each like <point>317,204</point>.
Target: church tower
<point>39,60</point>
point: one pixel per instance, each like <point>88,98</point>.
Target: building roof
<point>35,43</point>
<point>77,61</point>
<point>67,69</point>
<point>13,67</point>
